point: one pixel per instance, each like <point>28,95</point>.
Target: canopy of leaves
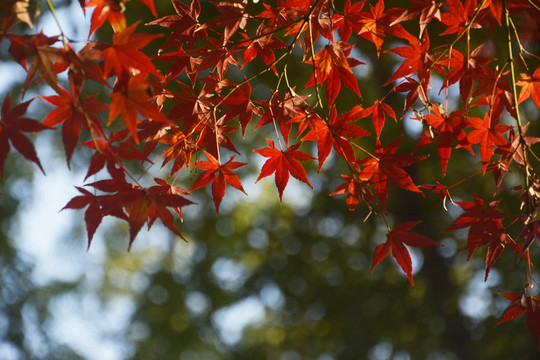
<point>204,103</point>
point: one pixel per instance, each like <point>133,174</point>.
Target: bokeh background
<point>264,280</point>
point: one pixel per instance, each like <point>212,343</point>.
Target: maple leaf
<point>74,113</point>
<point>191,108</point>
<point>488,133</point>
<point>350,19</point>
<point>96,210</point>
<point>279,16</point>
<point>396,241</point>
<point>180,148</point>
<point>424,10</point>
<point>415,90</point>
<point>132,203</point>
<point>217,57</point>
<point>108,155</point>
<point>39,48</point>
<point>388,164</point>
<point>463,69</point>
<point>458,17</point>
<point>497,247</point>
<point>262,47</point>
<point>18,12</point>
<point>484,222</point>
<point>233,16</point>
<point>131,98</point>
<point>163,196</point>
<point>377,112</point>
<point>124,53</point>
<point>219,175</point>
<point>283,163</point>
<point>529,233</point>
<point>185,25</point>
<point>181,61</point>
<point>521,303</point>
<point>447,128</point>
<point>417,59</point>
<point>439,189</point>
<point>336,132</point>
<point>239,104</point>
<point>214,135</point>
<point>283,111</point>
<point>491,86</point>
<point>376,24</point>
<point>333,69</point>
<point>12,126</point>
<point>356,190</point>
<point>495,8</point>
<point>106,10</point>
<point>82,66</point>
<point>518,144</point>
<point>530,87</point>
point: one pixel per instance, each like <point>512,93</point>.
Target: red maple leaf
<point>491,87</point>
<point>217,57</point>
<point>336,132</point>
<point>522,303</point>
<point>458,17</point>
<point>530,87</point>
<point>279,16</point>
<point>495,8</point>
<point>463,69</point>
<point>445,129</point>
<point>38,48</point>
<point>375,25</point>
<point>185,25</point>
<point>233,16</point>
<point>75,113</point>
<point>518,144</point>
<point>377,112</point>
<point>439,189</point>
<point>283,111</point>
<point>424,10</point>
<point>239,104</point>
<point>12,126</point>
<point>181,61</point>
<point>97,209</point>
<point>497,247</point>
<point>387,164</point>
<point>261,47</point>
<point>350,19</point>
<point>414,90</point>
<point>488,133</point>
<point>130,202</point>
<point>484,222</point>
<point>356,190</point>
<point>417,59</point>
<point>529,233</point>
<point>124,52</point>
<point>396,241</point>
<point>333,68</point>
<point>106,10</point>
<point>130,98</point>
<point>163,196</point>
<point>111,156</point>
<point>219,175</point>
<point>283,163</point>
